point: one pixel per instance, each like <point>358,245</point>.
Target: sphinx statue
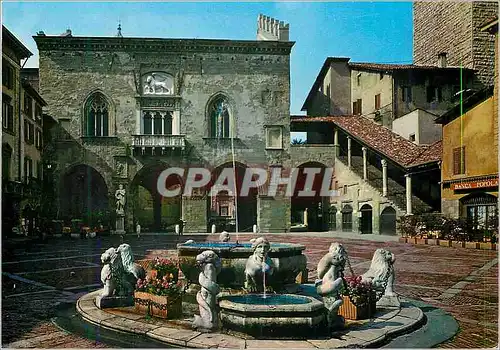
<point>210,264</point>
<point>259,266</point>
<point>330,282</point>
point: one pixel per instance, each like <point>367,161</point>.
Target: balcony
<point>158,143</point>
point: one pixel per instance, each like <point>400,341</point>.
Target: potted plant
<point>160,293</point>
<point>359,299</point>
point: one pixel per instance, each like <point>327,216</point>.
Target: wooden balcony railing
<point>167,141</point>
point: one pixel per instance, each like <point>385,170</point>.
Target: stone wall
<point>453,28</point>
<point>255,77</point>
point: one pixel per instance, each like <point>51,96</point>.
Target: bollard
<point>213,229</point>
<point>254,228</point>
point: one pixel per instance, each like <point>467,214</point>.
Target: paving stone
<point>172,335</point>
<point>278,344</point>
<point>369,336</point>
<point>97,316</point>
<point>212,340</point>
<point>127,312</point>
<point>337,343</point>
<point>386,313</point>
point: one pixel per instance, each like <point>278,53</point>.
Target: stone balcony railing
<point>159,141</point>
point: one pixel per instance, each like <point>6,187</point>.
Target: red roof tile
<point>389,67</point>
<point>381,139</point>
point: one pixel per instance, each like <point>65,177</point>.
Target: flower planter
<point>403,240</point>
<point>420,241</point>
<point>352,312</point>
<point>158,305</point>
<point>487,246</point>
<point>432,241</point>
<point>444,243</point>
<point>458,244</point>
<point>472,245</point>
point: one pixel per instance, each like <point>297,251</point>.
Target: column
<point>176,123</point>
<point>349,151</point>
<point>365,172</point>
<point>162,123</point>
<point>384,177</point>
<point>336,141</point>
<point>408,194</point>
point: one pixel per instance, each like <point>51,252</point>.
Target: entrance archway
<point>316,205</point>
<point>84,196</point>
<point>347,218</point>
<point>388,221</point>
<point>332,219</point>
<point>154,212</point>
<point>366,219</point>
<point>221,208</point>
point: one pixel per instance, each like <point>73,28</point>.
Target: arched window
<point>347,218</point>
<point>220,118</point>
<point>97,115</point>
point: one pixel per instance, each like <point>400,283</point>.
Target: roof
<point>11,40</point>
<point>382,140</point>
<point>378,67</point>
<point>467,104</point>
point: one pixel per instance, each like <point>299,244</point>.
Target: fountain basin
<point>287,258</point>
<point>275,315</point>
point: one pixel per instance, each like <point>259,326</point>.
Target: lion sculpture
<point>154,85</point>
<point>128,262</point>
<point>382,271</point>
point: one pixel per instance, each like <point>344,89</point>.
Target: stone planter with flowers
<point>359,299</point>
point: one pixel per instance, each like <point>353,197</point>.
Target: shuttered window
<point>377,101</point>
<point>459,160</point>
<point>356,107</point>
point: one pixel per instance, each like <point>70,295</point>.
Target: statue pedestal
<point>114,301</point>
<point>389,301</point>
<point>120,225</point>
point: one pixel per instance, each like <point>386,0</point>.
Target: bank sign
<point>475,184</point>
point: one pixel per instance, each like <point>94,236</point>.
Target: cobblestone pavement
<point>38,278</point>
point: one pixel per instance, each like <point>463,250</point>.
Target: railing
<point>158,141</point>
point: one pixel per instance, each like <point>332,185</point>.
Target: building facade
<point>470,156</point>
<point>22,142</point>
<point>453,30</point>
<point>129,108</point>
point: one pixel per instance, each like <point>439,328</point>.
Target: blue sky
<point>364,31</point>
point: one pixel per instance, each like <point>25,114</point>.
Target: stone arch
<point>315,207</point>
<point>366,221</point>
<point>221,208</point>
<point>111,112</point>
<point>332,218</point>
<point>151,209</point>
<point>232,120</point>
<point>388,221</point>
<point>84,195</point>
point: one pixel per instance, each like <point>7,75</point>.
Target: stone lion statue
<point>381,270</point>
<point>128,262</point>
<point>111,272</point>
<point>259,266</point>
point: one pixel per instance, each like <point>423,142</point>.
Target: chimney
<point>442,63</point>
<point>67,34</point>
<point>270,29</point>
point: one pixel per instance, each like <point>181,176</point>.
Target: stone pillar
<point>273,213</point>
<point>349,151</point>
<point>306,219</point>
<point>408,194</point>
<point>194,213</point>
<point>336,142</point>
<point>376,217</point>
<point>163,123</point>
<point>365,172</point>
<point>384,177</point>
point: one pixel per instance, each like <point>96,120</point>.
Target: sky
<point>378,32</point>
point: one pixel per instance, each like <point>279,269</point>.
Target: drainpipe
<point>19,128</point>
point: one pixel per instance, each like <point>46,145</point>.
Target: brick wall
<point>453,27</point>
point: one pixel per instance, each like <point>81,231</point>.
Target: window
<point>381,75</point>
<point>224,210</point>
<point>7,114</point>
<point>459,160</point>
<point>38,139</point>
<point>274,137</point>
<point>220,119</point>
<point>377,101</point>
<point>28,169</point>
<point>434,94</point>
<point>328,91</point>
<point>357,107</point>
<point>412,137</point>
<point>481,211</point>
<point>345,190</point>
<point>358,79</point>
<point>29,132</point>
<point>406,94</point>
<point>97,116</point>
<point>347,218</point>
<point>28,105</point>
<point>7,75</point>
<point>38,112</point>
<point>157,123</point>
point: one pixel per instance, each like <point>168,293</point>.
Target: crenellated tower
<point>271,29</point>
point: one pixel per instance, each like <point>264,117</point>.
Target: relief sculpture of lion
<point>381,270</point>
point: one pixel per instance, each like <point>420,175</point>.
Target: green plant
<point>164,279</point>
